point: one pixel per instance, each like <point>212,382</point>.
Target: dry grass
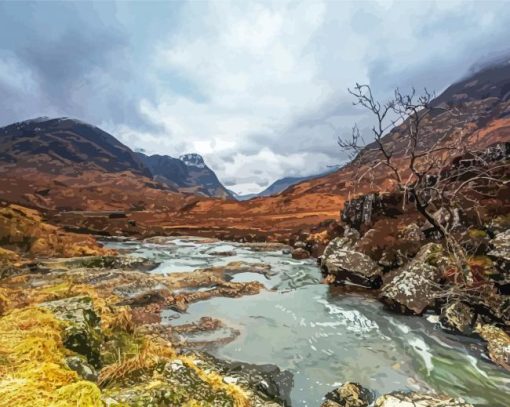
<point>152,351</point>
<point>32,370</point>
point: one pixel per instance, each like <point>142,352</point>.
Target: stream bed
<point>324,335</point>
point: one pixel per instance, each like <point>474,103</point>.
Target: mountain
<point>35,174</point>
<point>189,174</point>
<point>66,164</point>
<point>65,145</point>
<point>283,183</point>
<point>280,185</point>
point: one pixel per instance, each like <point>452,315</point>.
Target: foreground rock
<point>498,344</point>
<point>344,264</point>
<point>399,399</point>
<point>458,317</point>
<point>349,395</point>
<point>355,395</point>
<point>414,288</point>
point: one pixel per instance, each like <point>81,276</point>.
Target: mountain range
<point>67,165</point>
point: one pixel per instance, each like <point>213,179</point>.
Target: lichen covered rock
<point>458,317</point>
<point>498,344</point>
<point>348,265</point>
<point>413,289</point>
<point>349,395</point>
<point>400,399</point>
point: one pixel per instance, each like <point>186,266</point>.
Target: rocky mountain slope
<point>189,174</point>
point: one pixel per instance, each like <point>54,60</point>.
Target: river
<point>326,336</point>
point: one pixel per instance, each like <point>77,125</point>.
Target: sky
<point>258,88</point>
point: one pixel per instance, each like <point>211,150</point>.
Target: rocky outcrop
<point>347,265</point>
<point>348,395</point>
<point>399,399</point>
<point>413,288</point>
<point>498,344</point>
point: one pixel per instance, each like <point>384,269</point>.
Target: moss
<point>98,262</point>
<point>477,234</point>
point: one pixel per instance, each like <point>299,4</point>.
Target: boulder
<point>82,333</point>
<point>401,399</point>
<point>348,265</point>
<point>349,395</point>
<point>300,254</point>
<point>458,317</point>
<point>498,344</point>
<point>412,289</point>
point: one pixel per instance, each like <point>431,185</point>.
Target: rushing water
<point>326,338</point>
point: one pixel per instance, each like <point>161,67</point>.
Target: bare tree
<point>435,171</point>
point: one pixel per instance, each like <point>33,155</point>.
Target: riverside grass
<point>33,371</point>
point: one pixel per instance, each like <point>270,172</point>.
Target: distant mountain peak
<point>193,160</point>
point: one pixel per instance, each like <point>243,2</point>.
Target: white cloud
<point>258,88</point>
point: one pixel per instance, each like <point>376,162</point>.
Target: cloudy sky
<point>258,88</point>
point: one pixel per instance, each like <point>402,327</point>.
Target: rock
<point>349,395</point>
<point>81,367</point>
<point>458,317</point>
<point>499,224</point>
<point>118,262</point>
<point>412,289</point>
<point>358,212</point>
<point>392,259</point>
<point>82,333</point>
<point>400,399</point>
<point>498,344</point>
<point>300,254</point>
<point>347,265</point>
<point>300,245</point>
<point>413,232</point>
<point>222,253</point>
<point>146,297</point>
<point>500,252</point>
<point>269,383</point>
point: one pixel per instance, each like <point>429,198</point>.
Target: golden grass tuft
<point>32,370</point>
<point>152,351</point>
